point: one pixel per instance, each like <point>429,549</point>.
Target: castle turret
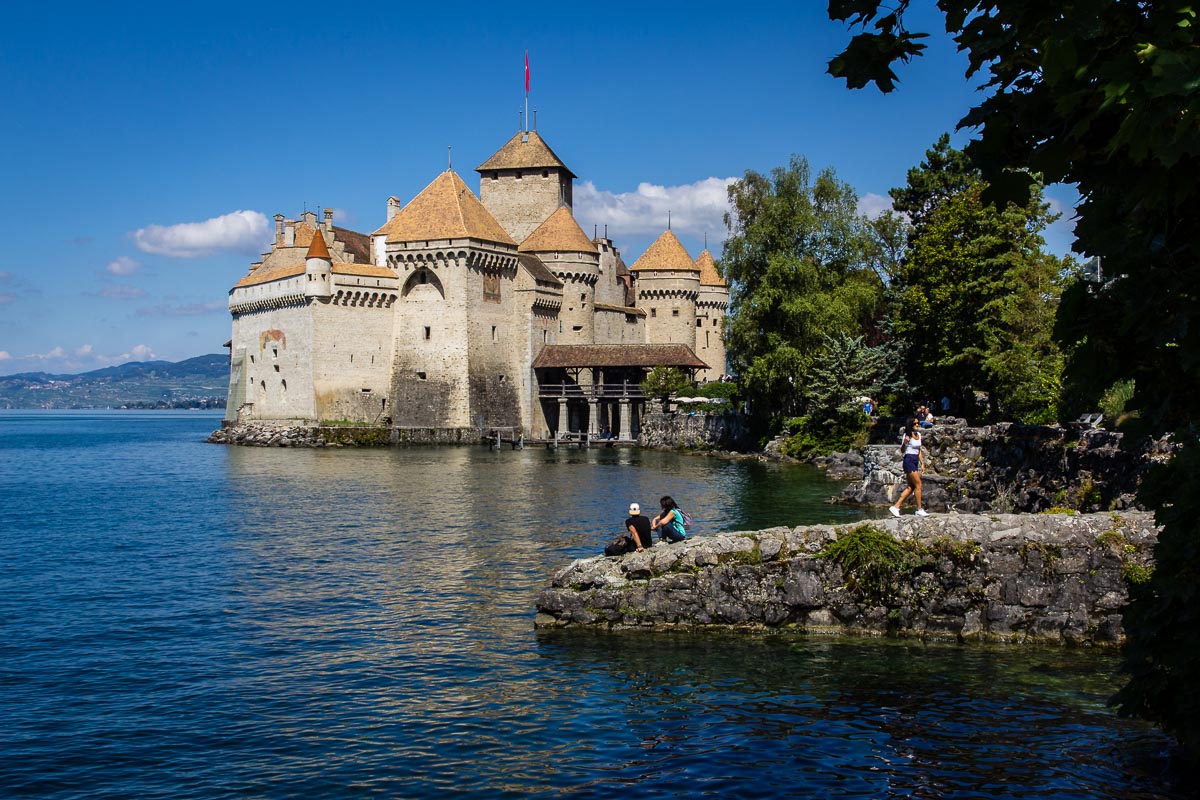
<point>524,183</point>
<point>318,269</point>
<point>712,305</point>
<point>667,284</point>
<point>567,252</point>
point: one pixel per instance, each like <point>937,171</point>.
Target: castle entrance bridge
<point>596,389</point>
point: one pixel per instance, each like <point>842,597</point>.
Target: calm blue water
<point>184,620</point>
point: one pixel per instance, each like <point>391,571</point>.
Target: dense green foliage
<point>871,561</point>
<point>975,295</point>
<point>662,382</point>
<point>800,262</point>
<point>1105,95</point>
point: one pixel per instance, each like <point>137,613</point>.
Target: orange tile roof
<point>708,270</point>
<point>559,233</point>
<point>365,270</point>
<point>445,209</point>
<point>318,248</point>
<point>666,253</point>
<point>524,151</point>
<point>268,274</point>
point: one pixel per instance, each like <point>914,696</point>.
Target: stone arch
<point>424,285</point>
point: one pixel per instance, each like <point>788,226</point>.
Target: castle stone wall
<point>278,344</point>
<point>352,362</point>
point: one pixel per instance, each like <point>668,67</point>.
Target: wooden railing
<point>591,391</point>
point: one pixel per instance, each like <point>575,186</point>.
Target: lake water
<point>185,620</point>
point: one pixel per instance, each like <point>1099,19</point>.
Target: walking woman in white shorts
<point>914,462</point>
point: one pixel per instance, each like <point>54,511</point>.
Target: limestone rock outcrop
<point>1020,578</point>
<point>1004,467</point>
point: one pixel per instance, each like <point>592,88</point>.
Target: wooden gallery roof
<point>618,355</point>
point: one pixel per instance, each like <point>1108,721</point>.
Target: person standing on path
<point>914,462</point>
<point>638,527</point>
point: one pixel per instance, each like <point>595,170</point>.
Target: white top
<point>912,444</point>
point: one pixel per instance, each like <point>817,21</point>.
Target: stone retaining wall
<point>281,435</point>
<point>699,431</point>
<point>1019,578</point>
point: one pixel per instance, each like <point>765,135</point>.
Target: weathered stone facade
<point>437,318</point>
<point>1014,578</point>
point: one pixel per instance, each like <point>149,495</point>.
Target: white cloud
<point>696,208</point>
<point>138,352</point>
<point>83,350</point>
<point>53,355</point>
<point>123,265</point>
<point>239,232</point>
<point>4,355</point>
<point>873,205</point>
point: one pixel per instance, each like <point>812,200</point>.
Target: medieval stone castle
<point>462,313</point>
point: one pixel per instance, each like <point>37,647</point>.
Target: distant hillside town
<point>194,383</point>
<point>466,313</point>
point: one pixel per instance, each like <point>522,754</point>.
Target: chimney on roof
<point>279,229</point>
<point>393,207</point>
<point>329,220</point>
<point>289,233</point>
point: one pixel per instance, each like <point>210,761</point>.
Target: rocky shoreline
<point>1051,578</point>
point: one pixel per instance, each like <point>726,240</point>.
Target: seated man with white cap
<point>638,527</point>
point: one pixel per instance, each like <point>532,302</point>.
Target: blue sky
<point>135,134</point>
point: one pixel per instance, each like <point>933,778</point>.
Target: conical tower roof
<point>526,150</point>
<point>708,270</point>
<point>666,253</point>
<point>559,233</point>
<point>445,209</point>
<point>318,248</point>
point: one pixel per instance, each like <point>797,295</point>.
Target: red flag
<point>526,72</point>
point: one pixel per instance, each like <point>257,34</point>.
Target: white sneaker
<point>922,512</point>
<point>895,511</point>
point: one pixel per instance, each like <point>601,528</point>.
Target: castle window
<point>283,386</point>
<point>428,332</point>
<point>277,368</point>
<point>420,376</point>
<point>699,323</point>
<point>545,173</point>
<point>352,358</point>
<point>503,379</point>
<point>545,335</point>
<point>365,391</point>
<point>654,312</point>
<point>251,359</point>
<point>263,385</point>
<point>576,327</point>
<point>518,175</point>
<point>275,352</point>
<point>495,176</point>
<point>674,312</point>
<point>493,333</point>
<point>714,322</point>
<point>583,298</point>
<point>706,339</point>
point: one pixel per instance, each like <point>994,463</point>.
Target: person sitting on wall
<point>638,527</point>
<point>927,420</point>
<point>669,523</point>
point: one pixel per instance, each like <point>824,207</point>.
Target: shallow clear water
<point>184,620</point>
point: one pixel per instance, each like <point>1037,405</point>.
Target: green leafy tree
<point>1105,96</point>
<point>846,370</point>
<point>975,303</point>
<point>662,382</point>
<point>798,260</point>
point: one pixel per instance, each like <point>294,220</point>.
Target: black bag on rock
<point>619,546</point>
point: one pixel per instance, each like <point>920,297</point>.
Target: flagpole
<point>527,91</point>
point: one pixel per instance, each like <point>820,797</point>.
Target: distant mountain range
<point>200,382</point>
